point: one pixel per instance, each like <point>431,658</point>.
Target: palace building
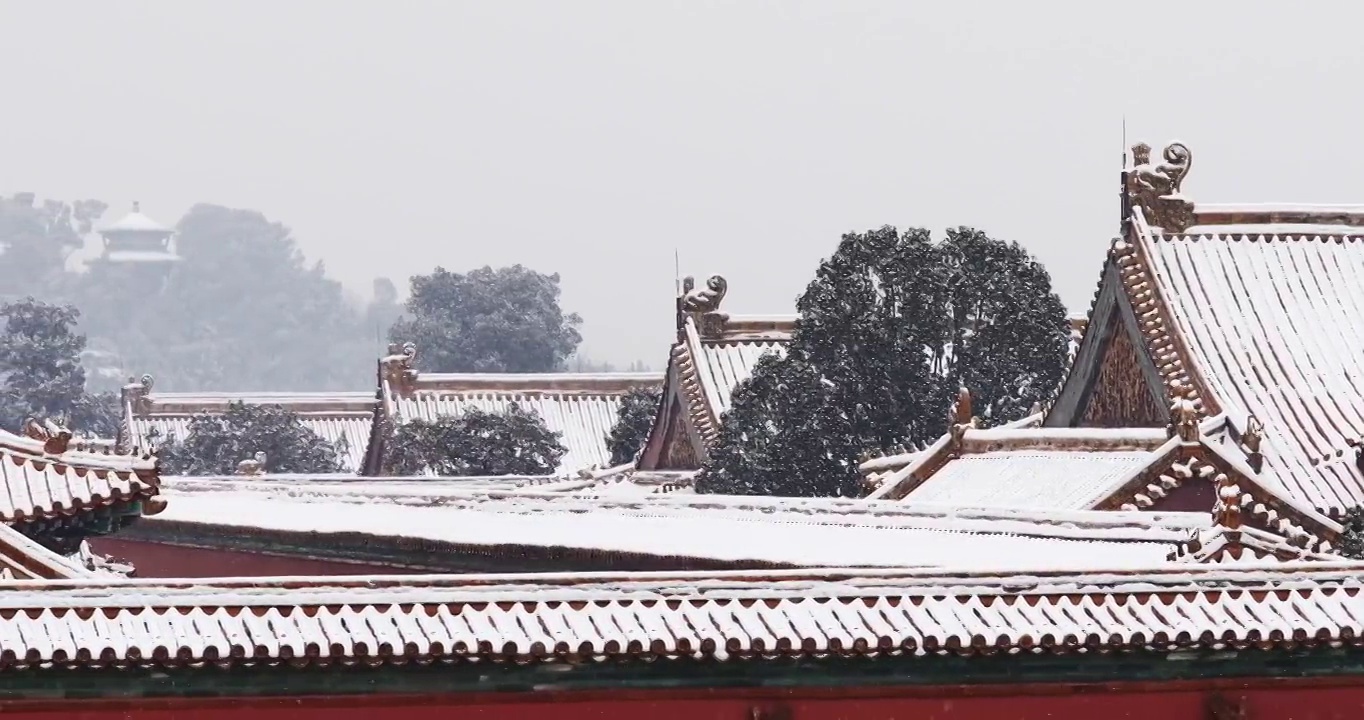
<point>1164,540</point>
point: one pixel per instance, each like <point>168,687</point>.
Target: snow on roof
<point>738,617</point>
<point>582,407</point>
<point>23,559</point>
<point>1272,325</point>
<point>135,222</point>
<point>723,357</point>
<point>138,256</point>
<point>1042,479</point>
<point>1025,467</point>
<point>720,528</point>
<point>39,485</point>
<point>335,417</point>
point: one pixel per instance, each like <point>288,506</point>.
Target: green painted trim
<point>684,674</point>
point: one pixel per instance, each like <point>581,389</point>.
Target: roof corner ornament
<point>960,419</point>
<point>1250,442</point>
<point>1183,416</point>
<point>253,466</point>
<point>1226,512</point>
<point>703,304</point>
<point>399,367</point>
<point>137,393</point>
<point>1156,188</point>
<point>55,438</point>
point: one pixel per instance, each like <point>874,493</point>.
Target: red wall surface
<point>154,560</point>
<point>1149,703</point>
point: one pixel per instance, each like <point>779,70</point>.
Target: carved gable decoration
<point>679,453</point>
<point>1120,396</point>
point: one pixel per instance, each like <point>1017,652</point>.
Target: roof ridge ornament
<point>1183,414</point>
<point>56,438</point>
<point>1251,440</point>
<point>960,419</point>
<point>703,304</point>
<point>399,367</point>
<point>1156,188</point>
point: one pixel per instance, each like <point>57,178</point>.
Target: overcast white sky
<point>594,138</point>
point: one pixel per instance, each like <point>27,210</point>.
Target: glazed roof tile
<point>1271,325</point>
<point>719,616</point>
<point>39,485</point>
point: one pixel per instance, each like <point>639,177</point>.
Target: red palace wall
<point>1263,700</point>
<point>155,560</point>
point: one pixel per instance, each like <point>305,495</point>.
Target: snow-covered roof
<point>721,529</point>
<point>135,222</point>
<point>139,256</point>
<point>1272,327</point>
<point>581,407</point>
<point>1245,310</point>
<point>1060,469</point>
<point>39,485</point>
<point>334,417</point>
<point>714,353</point>
<point>734,617</point>
<point>1127,469</point>
<point>23,559</point>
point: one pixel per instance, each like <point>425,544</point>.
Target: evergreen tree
<point>504,320</point>
<point>633,421</point>
<point>475,443</point>
<point>216,444</point>
<point>1352,537</point>
<point>889,328</point>
<point>41,371</point>
<point>1007,331</point>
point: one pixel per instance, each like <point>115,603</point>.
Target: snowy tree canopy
<point>217,444</point>
<point>504,320</point>
<point>891,326</point>
<point>474,443</point>
<point>633,421</point>
<point>41,372</point>
<point>1352,538</point>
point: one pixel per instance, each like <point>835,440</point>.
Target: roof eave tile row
<point>1251,607</point>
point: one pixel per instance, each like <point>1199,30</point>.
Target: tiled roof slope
<point>713,354</point>
<point>1185,468</point>
<point>37,486</point>
<point>1273,322</point>
<point>730,617</point>
<point>581,407</point>
<point>1246,311</point>
<point>1042,468</point>
<point>24,559</point>
<point>335,417</point>
<point>753,531</point>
